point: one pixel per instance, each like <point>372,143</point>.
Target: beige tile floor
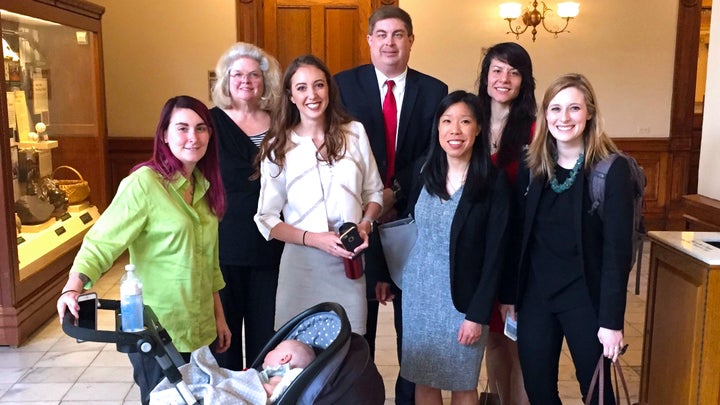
<point>51,368</point>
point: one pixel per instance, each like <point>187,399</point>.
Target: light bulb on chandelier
<point>532,17</point>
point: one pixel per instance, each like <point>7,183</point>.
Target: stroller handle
<point>95,335</point>
<point>153,341</point>
<point>87,334</point>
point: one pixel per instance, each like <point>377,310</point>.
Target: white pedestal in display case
<point>37,249</point>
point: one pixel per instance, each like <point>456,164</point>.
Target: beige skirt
<point>309,276</point>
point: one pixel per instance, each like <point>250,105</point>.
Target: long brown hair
<point>277,142</point>
<point>523,109</point>
<point>598,145</point>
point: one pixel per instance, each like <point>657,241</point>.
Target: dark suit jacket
<point>360,95</point>
<point>478,239</point>
<point>605,244</point>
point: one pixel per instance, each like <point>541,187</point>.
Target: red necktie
<point>390,114</point>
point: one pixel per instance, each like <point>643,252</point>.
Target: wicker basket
<point>76,190</point>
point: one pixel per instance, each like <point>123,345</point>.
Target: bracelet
<point>304,233</point>
<point>370,221</point>
<point>67,291</point>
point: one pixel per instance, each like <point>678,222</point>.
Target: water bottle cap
<point>130,267</point>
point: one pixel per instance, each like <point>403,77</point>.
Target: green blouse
<point>173,245</point>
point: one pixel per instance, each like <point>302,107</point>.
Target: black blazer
<point>478,239</point>
<point>360,94</point>
<point>605,244</point>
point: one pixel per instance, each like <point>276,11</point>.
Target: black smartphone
<point>87,315</point>
<point>349,236</point>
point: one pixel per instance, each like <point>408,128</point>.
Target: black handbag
<point>489,398</point>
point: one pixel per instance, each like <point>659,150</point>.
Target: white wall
<point>709,169</point>
<point>625,48</point>
<point>154,50</point>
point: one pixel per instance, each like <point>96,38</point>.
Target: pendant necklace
<point>570,180</point>
<point>496,132</point>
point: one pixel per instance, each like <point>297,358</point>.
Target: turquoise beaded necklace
<point>570,180</point>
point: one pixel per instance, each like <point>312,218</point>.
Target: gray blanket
<point>215,385</point>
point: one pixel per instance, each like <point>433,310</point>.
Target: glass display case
<point>53,176</point>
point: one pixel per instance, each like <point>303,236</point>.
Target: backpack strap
<point>598,175</point>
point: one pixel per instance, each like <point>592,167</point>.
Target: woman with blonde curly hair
<point>246,91</point>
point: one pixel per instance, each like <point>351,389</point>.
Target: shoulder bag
<point>398,239</point>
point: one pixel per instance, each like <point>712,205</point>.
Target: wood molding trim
<point>684,138</point>
<point>654,157</point>
<point>123,154</point>
<point>249,21</point>
<point>701,213</point>
<point>651,153</point>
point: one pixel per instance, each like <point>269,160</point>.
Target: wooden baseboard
<point>123,154</point>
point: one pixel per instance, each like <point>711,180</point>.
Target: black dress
<point>248,262</point>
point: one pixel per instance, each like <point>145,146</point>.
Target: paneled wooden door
<point>334,30</point>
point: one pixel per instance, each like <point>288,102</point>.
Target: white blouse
<point>313,195</point>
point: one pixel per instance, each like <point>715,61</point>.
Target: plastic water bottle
<point>131,302</point>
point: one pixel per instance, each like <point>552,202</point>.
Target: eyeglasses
<point>252,76</point>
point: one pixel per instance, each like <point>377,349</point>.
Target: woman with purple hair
<point>166,214</point>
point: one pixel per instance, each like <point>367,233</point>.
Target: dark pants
<point>249,298</point>
<point>404,389</point>
<point>541,328</point>
<point>147,373</point>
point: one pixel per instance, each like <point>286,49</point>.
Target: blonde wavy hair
<point>542,155</point>
<point>268,65</point>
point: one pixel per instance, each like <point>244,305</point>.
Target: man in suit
<point>396,143</point>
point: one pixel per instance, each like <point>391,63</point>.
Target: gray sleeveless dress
<point>431,354</point>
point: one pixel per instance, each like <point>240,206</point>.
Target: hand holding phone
<point>350,237</point>
<point>87,315</point>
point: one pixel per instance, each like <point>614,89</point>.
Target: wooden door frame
<point>684,142</point>
<point>249,18</point>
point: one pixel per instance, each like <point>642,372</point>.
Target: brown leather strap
<point>618,372</point>
<point>600,374</point>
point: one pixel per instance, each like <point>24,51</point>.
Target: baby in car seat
<point>283,364</point>
<point>214,384</point>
